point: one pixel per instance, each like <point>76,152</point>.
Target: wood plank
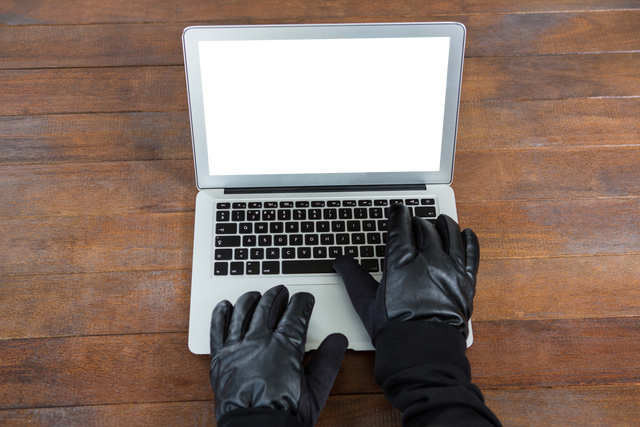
<point>108,369</point>
<point>97,188</point>
<point>594,406</point>
<point>160,44</point>
<point>513,289</point>
<point>542,173</point>
<point>169,186</point>
<point>166,135</point>
<point>95,137</point>
<point>94,304</point>
<point>16,12</point>
<point>551,228</point>
<point>158,241</point>
<point>73,244</point>
<point>557,123</point>
<point>93,90</point>
<point>588,406</point>
<point>163,88</point>
<point>558,288</point>
<point>551,77</point>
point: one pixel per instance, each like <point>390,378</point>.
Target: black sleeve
<point>263,417</point>
<point>424,372</point>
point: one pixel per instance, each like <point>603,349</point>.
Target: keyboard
<point>304,237</point>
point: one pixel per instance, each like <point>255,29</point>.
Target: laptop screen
<point>324,105</point>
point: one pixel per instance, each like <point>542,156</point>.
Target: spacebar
<point>302,267</point>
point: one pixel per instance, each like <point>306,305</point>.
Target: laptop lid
<point>324,104</point>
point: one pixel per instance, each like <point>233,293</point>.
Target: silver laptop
<point>303,136</point>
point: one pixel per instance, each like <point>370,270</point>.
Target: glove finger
<point>361,287</point>
<point>241,316</point>
<point>295,320</point>
<point>271,306</point>
<point>320,374</point>
<point>472,249</point>
<point>449,231</point>
<point>427,237</point>
<point>220,318</point>
<point>401,244</point>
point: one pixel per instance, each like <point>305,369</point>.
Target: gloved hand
<point>429,274</point>
<point>256,361</point>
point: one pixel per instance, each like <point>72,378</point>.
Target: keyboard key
<point>223,216</point>
<point>342,239</point>
<point>299,214</point>
<point>276,227</point>
<point>302,204</point>
<point>271,204</point>
<point>357,238</point>
<point>246,228</point>
<point>330,213</point>
<point>280,240</point>
<point>262,227</point>
<point>319,252</point>
<point>304,252</point>
<point>249,240</point>
<point>382,225</point>
<point>375,213</point>
<point>257,253</point>
<point>373,239</point>
<point>338,226</point>
<point>227,241</point>
<point>264,240</point>
<point>322,226</point>
<point>237,215</point>
<point>345,213</point>
<point>315,213</point>
<point>292,227</point>
<point>284,215</point>
<point>269,215</point>
<point>397,202</point>
<point>288,253</point>
<point>223,254</point>
<point>253,267</point>
<point>380,250</point>
<point>370,265</point>
<point>411,202</point>
<point>311,240</point>
<point>353,225</point>
<point>335,251</point>
<point>296,240</point>
<point>428,201</point>
<point>326,239</point>
<point>307,227</point>
<point>360,213</point>
<point>380,203</point>
<point>227,228</point>
<point>223,206</point>
<point>317,204</point>
<point>368,226</point>
<point>273,253</point>
<point>333,203</point>
<point>241,253</point>
<point>366,251</point>
<point>220,269</point>
<point>253,215</point>
<point>365,203</point>
<point>426,211</point>
<point>286,204</point>
<point>241,205</point>
<point>237,268</point>
<point>350,203</point>
<point>311,266</point>
<point>255,205</point>
<point>351,251</point>
<point>271,267</point>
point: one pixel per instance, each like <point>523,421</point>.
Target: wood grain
<point>158,367</point>
<point>160,44</point>
<point>16,12</point>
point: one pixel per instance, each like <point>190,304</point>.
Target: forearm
<point>424,372</point>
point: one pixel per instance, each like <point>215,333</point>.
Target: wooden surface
<point>97,200</point>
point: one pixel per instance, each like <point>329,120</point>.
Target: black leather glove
<point>256,361</point>
<point>429,274</point>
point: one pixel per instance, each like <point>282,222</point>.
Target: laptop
<point>303,136</point>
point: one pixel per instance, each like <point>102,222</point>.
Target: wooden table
<point>97,203</point>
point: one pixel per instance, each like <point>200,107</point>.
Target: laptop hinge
<point>325,189</point>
